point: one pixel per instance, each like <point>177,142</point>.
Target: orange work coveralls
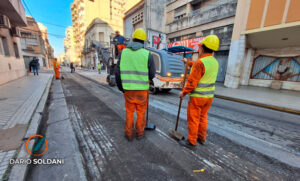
<point>121,47</point>
<point>135,100</point>
<point>56,68</point>
<point>197,107</point>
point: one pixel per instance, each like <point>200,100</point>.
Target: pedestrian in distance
<point>56,68</point>
<point>134,70</point>
<point>35,66</point>
<point>200,87</point>
<point>99,68</point>
<point>30,66</point>
<point>72,67</point>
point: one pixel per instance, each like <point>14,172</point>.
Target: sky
<point>51,13</point>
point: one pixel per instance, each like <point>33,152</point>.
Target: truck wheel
<point>107,79</point>
<point>111,84</point>
<point>152,89</point>
<point>166,90</point>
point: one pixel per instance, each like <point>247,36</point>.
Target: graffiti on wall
<point>194,43</point>
<point>276,68</point>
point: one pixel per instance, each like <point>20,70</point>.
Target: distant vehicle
<point>169,67</point>
<point>169,71</point>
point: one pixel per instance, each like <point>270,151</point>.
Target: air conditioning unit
<point>4,21</point>
<point>15,32</point>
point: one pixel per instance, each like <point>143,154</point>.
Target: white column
<point>247,66</point>
<point>235,60</point>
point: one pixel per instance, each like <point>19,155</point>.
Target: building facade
<point>70,48</point>
<point>99,31</point>
<point>189,20</point>
<point>48,48</point>
<point>32,43</point>
<point>84,12</point>
<point>265,48</point>
<point>12,16</point>
<point>61,59</point>
<point>150,15</point>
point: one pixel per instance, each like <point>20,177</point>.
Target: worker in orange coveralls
<point>200,87</point>
<point>56,68</point>
<point>120,40</point>
<point>134,70</point>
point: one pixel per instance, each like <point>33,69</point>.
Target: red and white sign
<point>194,43</point>
<point>156,41</point>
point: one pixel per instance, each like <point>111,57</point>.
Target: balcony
<point>210,13</point>
<point>15,11</point>
<point>213,12</point>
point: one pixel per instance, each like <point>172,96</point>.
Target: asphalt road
<point>244,142</point>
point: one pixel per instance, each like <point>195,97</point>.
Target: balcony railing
<point>210,13</point>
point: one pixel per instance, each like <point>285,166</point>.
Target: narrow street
<point>242,144</point>
<point>234,62</point>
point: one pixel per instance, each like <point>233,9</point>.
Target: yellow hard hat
<point>212,42</point>
<point>140,34</point>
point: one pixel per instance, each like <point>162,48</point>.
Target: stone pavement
<point>283,100</point>
<point>18,101</point>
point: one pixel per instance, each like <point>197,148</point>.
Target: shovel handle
<point>178,114</point>
<point>183,84</point>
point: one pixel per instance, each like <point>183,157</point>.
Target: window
<point>101,36</point>
<point>196,5</point>
<point>5,46</point>
<point>30,41</point>
<point>138,17</point>
<point>157,63</point>
<point>180,12</point>
<point>16,50</point>
<point>30,23</point>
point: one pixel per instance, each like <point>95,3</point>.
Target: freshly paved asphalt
<point>234,152</point>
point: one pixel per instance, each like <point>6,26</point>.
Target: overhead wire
<point>62,26</point>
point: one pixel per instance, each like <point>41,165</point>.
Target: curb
<point>258,104</point>
<point>19,172</point>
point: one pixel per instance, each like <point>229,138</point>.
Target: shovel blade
<point>150,126</point>
<point>174,134</point>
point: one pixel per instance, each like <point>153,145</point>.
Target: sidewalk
<point>62,142</point>
<point>18,102</point>
<point>282,100</point>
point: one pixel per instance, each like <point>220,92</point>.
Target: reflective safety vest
<point>134,69</point>
<point>206,85</point>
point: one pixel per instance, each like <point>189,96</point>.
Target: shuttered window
<point>5,46</point>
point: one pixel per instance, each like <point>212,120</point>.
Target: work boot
<point>188,145</point>
<point>202,142</point>
<point>129,138</point>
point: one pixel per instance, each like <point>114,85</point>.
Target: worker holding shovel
<point>200,87</point>
<point>134,70</point>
